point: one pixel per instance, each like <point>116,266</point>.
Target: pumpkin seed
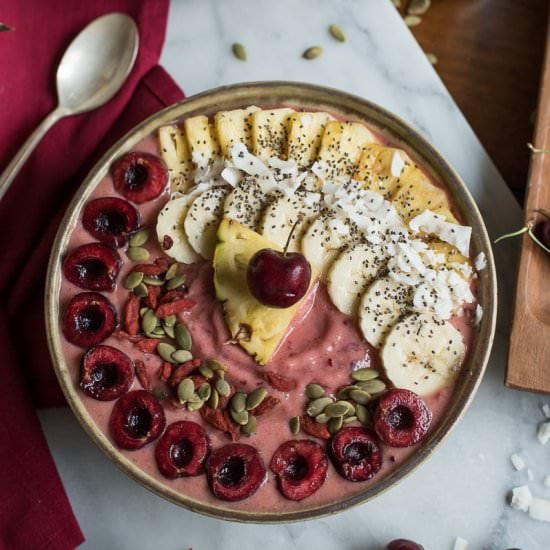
<point>322,418</point>
<point>139,238</point>
<point>224,389</point>
<point>186,388</point>
<point>238,402</point>
<point>337,33</point>
<point>150,321</point>
<point>195,405</point>
<point>159,331</point>
<point>143,311</point>
<point>153,281</point>
<point>141,291</point>
<point>133,280</point>
<point>412,20</point>
<point>239,51</point>
<point>206,371</point>
<point>250,427</point>
<point>314,391</point>
<point>183,336</point>
<point>432,58</point>
<point>240,417</point>
<point>159,393</point>
<point>344,392</point>
<point>166,350</point>
<point>153,335</point>
<point>171,272</point>
<point>214,399</point>
<point>318,405</point>
<point>335,424</point>
<point>350,419</point>
<point>373,386</point>
<point>365,374</point>
<point>137,254</point>
<point>182,356</point>
<point>215,365</point>
<point>169,330</point>
<point>204,391</point>
<point>396,3</point>
<point>336,409</point>
<point>362,414</point>
<point>255,398</point>
<point>313,52</point>
<point>360,396</point>
<point>418,7</point>
<point>294,425</point>
<point>170,320</point>
<point>194,398</point>
<point>176,282</point>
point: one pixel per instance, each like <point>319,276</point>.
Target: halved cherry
<point>301,468</point>
<point>139,177</point>
<point>89,319</point>
<point>93,266</point>
<point>136,419</point>
<point>404,544</point>
<point>235,471</point>
<point>356,453</point>
<point>110,220</point>
<point>402,418</point>
<point>182,450</point>
<point>106,373</point>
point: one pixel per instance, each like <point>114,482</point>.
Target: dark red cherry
<point>404,544</point>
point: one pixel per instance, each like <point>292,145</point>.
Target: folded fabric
<point>34,511</point>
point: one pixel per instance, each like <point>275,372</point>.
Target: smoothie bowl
<point>270,302</point>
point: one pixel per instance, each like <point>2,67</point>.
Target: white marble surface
<point>461,490</point>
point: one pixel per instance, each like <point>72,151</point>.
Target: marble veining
<point>461,490</point>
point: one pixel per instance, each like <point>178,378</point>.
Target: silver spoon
<point>92,70</point>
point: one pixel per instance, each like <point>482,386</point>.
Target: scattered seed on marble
<point>224,389</point>
<point>175,282</point>
<point>133,280</point>
<point>183,336</point>
<point>149,321</point>
<point>204,391</point>
<point>186,388</point>
<point>255,398</point>
<point>412,20</point>
<point>141,290</point>
<point>139,238</point>
<point>206,371</point>
<point>294,425</point>
<point>239,51</point>
<point>362,414</point>
<point>137,254</point>
<point>334,424</point>
<point>318,405</point>
<point>166,351</point>
<point>337,33</point>
<point>360,396</point>
<point>238,401</point>
<point>322,418</point>
<point>365,374</point>
<point>314,391</point>
<point>182,356</point>
<point>171,272</point>
<point>250,427</point>
<point>240,417</point>
<point>153,281</point>
<point>214,399</point>
<point>312,53</point>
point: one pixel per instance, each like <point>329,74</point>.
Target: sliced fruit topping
<point>304,137</point>
<point>93,266</point>
<point>110,220</point>
<point>175,153</point>
<point>234,127</point>
<point>137,419</point>
<point>245,203</point>
<point>235,471</point>
<point>139,177</point>
<point>301,468</point>
<point>356,454</point>
<point>402,418</point>
<point>270,132</point>
<point>106,373</point>
<point>89,319</point>
<point>182,450</point>
<point>201,140</point>
<point>422,353</point>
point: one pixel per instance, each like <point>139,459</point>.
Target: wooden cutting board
<point>529,355</point>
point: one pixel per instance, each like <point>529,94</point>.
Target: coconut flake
<point>460,544</point>
<point>397,164</point>
<point>232,176</point>
<point>521,498</point>
<point>539,509</point>
<point>543,433</point>
<point>478,315</point>
<point>517,462</point>
<point>480,261</point>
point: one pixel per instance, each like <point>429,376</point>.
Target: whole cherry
<point>404,544</point>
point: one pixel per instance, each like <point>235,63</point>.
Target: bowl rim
<point>298,94</point>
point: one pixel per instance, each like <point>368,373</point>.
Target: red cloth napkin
<point>34,511</point>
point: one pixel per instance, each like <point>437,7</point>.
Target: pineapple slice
<point>202,141</point>
<point>305,135</point>
<point>270,132</point>
<point>342,146</point>
<point>233,127</point>
<point>258,329</point>
<point>175,153</point>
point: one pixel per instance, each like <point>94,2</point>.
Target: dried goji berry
<point>152,298</point>
<point>183,371</point>
<point>171,295</point>
<point>142,375</point>
<point>172,308</point>
<point>268,404</point>
<point>147,345</point>
<point>314,428</point>
<point>279,382</point>
<point>131,315</point>
<point>165,371</point>
<point>149,269</point>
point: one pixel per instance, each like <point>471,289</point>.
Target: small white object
<point>547,481</point>
<point>517,462</point>
<point>521,498</point>
<point>540,509</point>
<point>460,544</point>
<point>480,261</point>
<point>478,315</point>
<point>530,475</point>
<point>397,164</point>
<point>543,433</point>
<point>546,410</point>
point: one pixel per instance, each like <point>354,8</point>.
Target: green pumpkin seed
<point>350,419</point>
<point>224,389</point>
<point>314,391</point>
<point>362,414</point>
<point>360,396</point>
<point>313,52</point>
<point>153,281</point>
<point>412,20</point>
<point>133,280</point>
<point>137,254</point>
<point>139,238</point>
<point>176,282</point>
<point>159,331</point>
<point>204,391</point>
<point>418,7</point>
<point>215,365</point>
<point>239,51</point>
<point>335,424</point>
<point>159,393</point>
<point>255,398</point>
<point>344,392</point>
<point>337,33</point>
<point>432,58</point>
<point>214,399</point>
<point>150,321</point>
<point>373,386</point>
<point>365,374</point>
<point>143,311</point>
<point>318,405</point>
<point>170,321</point>
<point>195,405</point>
<point>336,409</point>
<point>322,418</point>
<point>168,330</point>
<point>154,335</point>
<point>182,356</point>
<point>250,427</point>
<point>171,272</point>
<point>183,336</point>
<point>141,291</point>
<point>166,350</point>
<point>240,417</point>
<point>186,388</point>
<point>294,425</point>
<point>238,402</point>
<point>206,371</point>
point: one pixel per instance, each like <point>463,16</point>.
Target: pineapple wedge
<point>175,153</point>
<point>202,141</point>
<point>233,127</point>
<point>258,329</point>
<point>270,132</point>
<point>305,135</point>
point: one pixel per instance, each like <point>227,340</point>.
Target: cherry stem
<point>536,150</point>
<point>544,212</point>
<point>529,230</point>
<point>290,236</point>
<point>533,236</point>
<point>514,234</point>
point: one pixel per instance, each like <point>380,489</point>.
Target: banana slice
<point>202,220</point>
<point>422,353</point>
<point>383,303</point>
<point>202,141</point>
<point>175,153</point>
<point>352,272</point>
<point>304,137</point>
<point>245,203</point>
<point>270,132</point>
<point>234,127</point>
<point>170,229</point>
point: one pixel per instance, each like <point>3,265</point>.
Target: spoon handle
<point>12,169</point>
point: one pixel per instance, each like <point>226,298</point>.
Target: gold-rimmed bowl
<point>349,107</point>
